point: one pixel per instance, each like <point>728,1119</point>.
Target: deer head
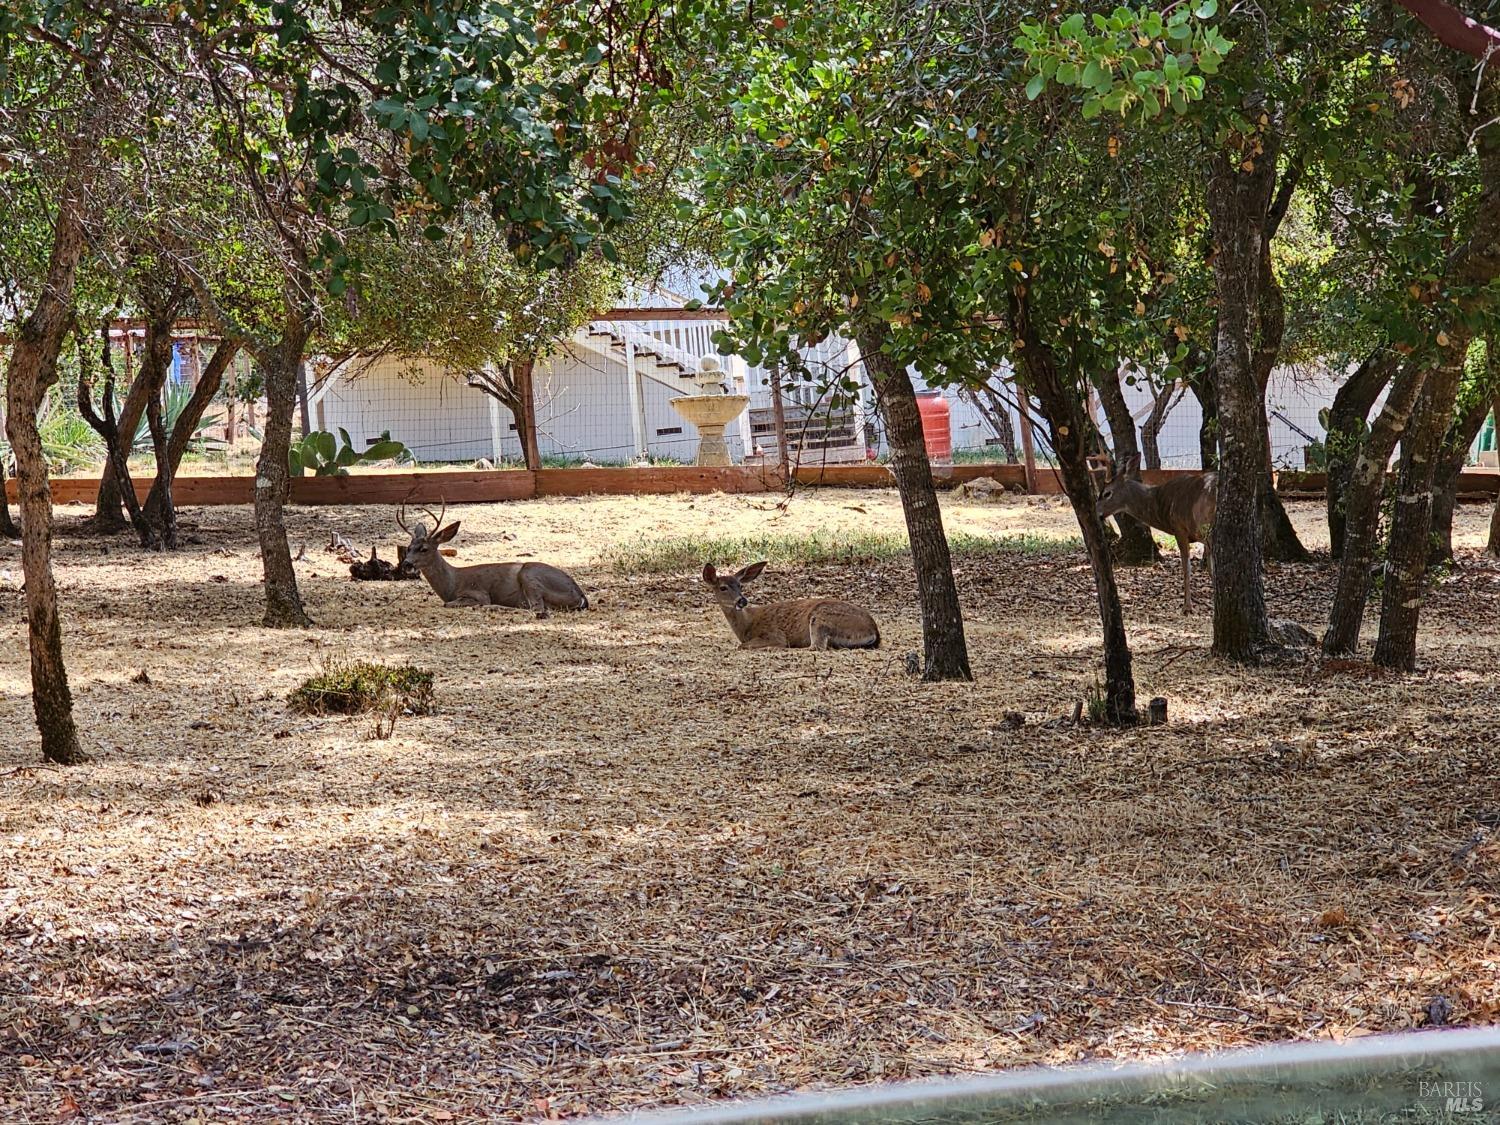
<point>728,588</point>
<point>1122,487</point>
<point>422,552</point>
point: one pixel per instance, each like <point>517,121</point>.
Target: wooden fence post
<point>1028,450</point>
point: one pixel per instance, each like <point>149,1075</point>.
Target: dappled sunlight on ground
<point>625,863</point>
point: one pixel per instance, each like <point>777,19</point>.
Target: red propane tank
<point>937,428</point>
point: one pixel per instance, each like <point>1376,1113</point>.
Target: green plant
<point>1097,705</point>
<point>321,453</point>
<point>246,388</point>
<point>174,401</point>
<point>355,686</point>
<point>68,442</point>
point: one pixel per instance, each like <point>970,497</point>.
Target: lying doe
<point>1182,507</point>
<point>820,623</point>
<point>529,585</point>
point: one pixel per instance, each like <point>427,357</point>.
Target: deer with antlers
<point>519,585</point>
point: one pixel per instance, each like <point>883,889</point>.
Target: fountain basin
<point>710,414</point>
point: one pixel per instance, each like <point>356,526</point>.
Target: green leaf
<point>1034,88</point>
<point>384,451</point>
<point>1206,9</point>
<point>323,445</point>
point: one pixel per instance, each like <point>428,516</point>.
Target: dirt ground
<point>625,864</point>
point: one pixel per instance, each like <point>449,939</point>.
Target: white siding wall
<point>583,410</point>
<point>435,414</point>
<point>582,401</point>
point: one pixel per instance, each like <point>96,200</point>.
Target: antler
<point>437,520</point>
<point>401,511</point>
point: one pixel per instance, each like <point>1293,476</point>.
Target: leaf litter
<point>624,864</point>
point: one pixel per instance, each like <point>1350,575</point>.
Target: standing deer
<point>1182,507</point>
<point>820,623</point>
<point>529,585</point>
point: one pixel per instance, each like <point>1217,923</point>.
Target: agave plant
<point>68,442</point>
<point>174,401</point>
<point>321,453</point>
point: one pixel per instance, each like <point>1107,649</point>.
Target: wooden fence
<point>486,486</point>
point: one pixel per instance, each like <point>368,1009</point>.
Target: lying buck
<point>820,623</point>
<point>1182,507</point>
<point>529,585</point>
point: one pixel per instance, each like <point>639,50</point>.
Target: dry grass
<point>625,864</point>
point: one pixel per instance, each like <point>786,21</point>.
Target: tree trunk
<point>1366,486</point>
<point>1070,434</point>
<point>997,414</point>
<point>1451,461</point>
<point>1279,539</point>
<point>1409,547</point>
<point>1493,546</point>
<point>107,426</point>
<point>521,374</point>
<point>33,368</point>
<point>1473,409</point>
<point>279,365</point>
<point>1135,547</point>
<point>1238,202</point>
<point>109,514</point>
<point>946,655</point>
<point>1208,429</point>
<point>158,363</point>
<point>1471,270</point>
<point>159,502</point>
<point>1347,419</point>
<point>1161,406</point>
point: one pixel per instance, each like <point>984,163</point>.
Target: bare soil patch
<point>624,864</point>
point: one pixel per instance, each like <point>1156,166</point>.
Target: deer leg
<point>468,598</point>
<point>535,595</point>
<point>1183,547</point>
<point>762,642</point>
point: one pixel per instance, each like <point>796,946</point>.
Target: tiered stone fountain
<point>710,410</point>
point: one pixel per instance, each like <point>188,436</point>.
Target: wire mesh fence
<point>606,397</point>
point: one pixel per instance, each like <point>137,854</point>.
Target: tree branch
<point>1454,29</point>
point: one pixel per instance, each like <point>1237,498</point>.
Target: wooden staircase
<point>815,435</point>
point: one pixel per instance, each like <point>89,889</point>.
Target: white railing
<point>684,343</point>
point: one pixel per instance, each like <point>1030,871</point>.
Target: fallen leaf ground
<point>626,865</point>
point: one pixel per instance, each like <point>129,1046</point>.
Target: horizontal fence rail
<point>477,486</point>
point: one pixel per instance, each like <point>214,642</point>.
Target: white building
<point>603,396</point>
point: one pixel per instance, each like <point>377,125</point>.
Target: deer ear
<point>710,575</point>
<point>1133,466</point>
<point>447,533</point>
<point>751,572</point>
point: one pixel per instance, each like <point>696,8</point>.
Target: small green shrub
<point>352,687</point>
